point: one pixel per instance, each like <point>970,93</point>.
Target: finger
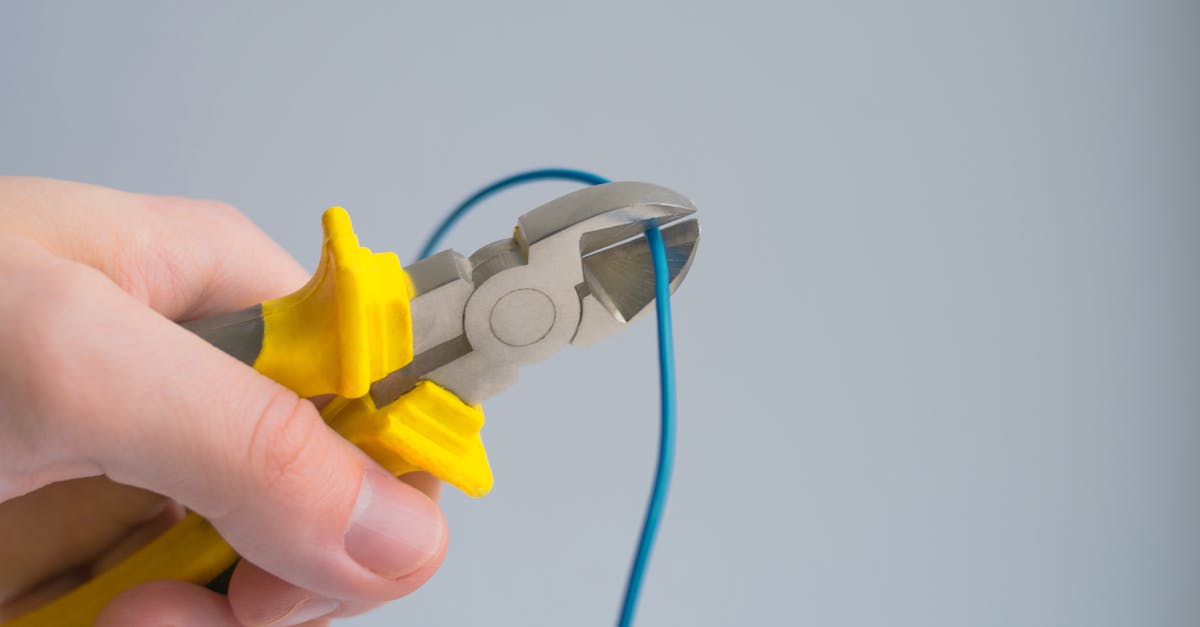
<point>260,598</point>
<point>66,525</point>
<point>428,484</point>
<point>71,575</point>
<point>179,604</point>
<point>137,538</point>
<point>153,406</point>
<point>173,603</point>
<point>43,593</point>
<point>184,258</point>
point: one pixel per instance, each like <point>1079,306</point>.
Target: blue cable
<point>546,174</point>
<point>666,438</point>
<point>666,365</point>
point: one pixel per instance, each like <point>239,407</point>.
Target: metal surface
<point>577,270</point>
<point>239,333</point>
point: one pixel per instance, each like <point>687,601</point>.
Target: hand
<point>105,404</point>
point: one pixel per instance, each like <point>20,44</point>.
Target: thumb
<point>110,384</point>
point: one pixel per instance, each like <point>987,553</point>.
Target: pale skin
<point>113,419</point>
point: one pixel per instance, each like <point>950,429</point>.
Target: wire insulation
<point>666,438</point>
<point>666,365</point>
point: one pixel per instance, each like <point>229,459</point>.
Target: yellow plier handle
<point>349,326</point>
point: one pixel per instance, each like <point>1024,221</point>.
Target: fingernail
<point>309,609</point>
<point>394,529</point>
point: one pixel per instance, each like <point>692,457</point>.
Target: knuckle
<point>65,282</point>
<point>224,224</point>
<point>48,341</point>
<point>140,262</point>
<point>184,207</point>
<point>219,209</point>
<point>52,312</point>
<point>284,433</point>
<point>222,216</point>
<point>171,261</point>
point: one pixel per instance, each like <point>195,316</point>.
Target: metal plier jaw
<point>576,270</point>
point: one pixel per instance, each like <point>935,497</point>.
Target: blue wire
<point>666,365</point>
<point>666,439</point>
<point>546,174</point>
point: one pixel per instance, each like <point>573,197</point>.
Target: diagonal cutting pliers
<point>410,353</point>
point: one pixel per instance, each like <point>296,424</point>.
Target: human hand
<point>96,379</point>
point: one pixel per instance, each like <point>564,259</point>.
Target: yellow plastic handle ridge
<point>348,326</point>
<point>428,428</point>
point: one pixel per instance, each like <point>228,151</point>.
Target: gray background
<point>939,351</point>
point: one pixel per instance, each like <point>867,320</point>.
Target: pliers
<point>410,353</point>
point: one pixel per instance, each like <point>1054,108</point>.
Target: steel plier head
<point>576,270</point>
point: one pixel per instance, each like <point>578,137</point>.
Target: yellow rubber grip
<point>348,326</point>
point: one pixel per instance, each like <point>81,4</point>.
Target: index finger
<point>182,257</point>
